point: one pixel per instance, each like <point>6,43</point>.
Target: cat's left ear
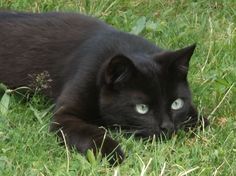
<point>182,57</point>
<point>176,62</point>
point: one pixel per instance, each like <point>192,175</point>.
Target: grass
<point>27,148</point>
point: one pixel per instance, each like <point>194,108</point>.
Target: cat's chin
<point>145,134</point>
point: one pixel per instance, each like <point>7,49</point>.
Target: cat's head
<point>146,94</point>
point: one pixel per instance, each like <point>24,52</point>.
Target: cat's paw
<point>111,149</point>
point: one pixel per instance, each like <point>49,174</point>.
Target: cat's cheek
<point>179,117</point>
<point>196,121</point>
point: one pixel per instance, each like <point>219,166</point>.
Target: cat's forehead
<point>149,76</point>
<point>149,68</point>
<point>153,77</point>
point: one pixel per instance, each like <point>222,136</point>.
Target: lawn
<point>27,148</point>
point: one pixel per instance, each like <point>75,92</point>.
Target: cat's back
<point>53,26</point>
<point>26,35</point>
<point>32,43</point>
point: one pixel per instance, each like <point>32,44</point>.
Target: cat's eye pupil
<point>177,104</point>
<point>141,108</point>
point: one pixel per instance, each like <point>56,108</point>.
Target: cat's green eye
<point>142,108</point>
<point>177,104</point>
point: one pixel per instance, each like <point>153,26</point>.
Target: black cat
<point>99,77</point>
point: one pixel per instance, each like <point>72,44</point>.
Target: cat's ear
<point>119,69</point>
<point>182,58</point>
<point>176,61</point>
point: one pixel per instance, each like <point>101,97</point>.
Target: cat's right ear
<point>119,69</point>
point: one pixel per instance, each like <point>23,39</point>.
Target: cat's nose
<point>168,127</point>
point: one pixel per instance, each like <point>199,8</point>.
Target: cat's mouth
<point>146,134</point>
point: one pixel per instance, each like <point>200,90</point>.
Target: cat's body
<point>100,77</point>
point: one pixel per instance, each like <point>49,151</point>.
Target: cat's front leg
<point>83,136</point>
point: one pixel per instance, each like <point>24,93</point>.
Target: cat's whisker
<point>187,121</point>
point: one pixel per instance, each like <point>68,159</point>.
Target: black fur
<point>99,75</point>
